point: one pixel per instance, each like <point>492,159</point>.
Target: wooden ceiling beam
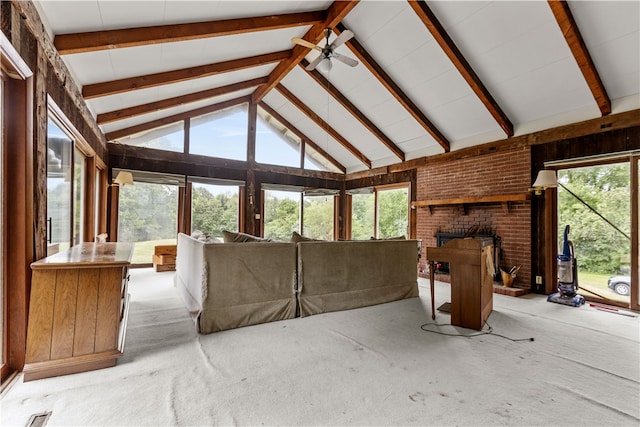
<point>438,32</point>
<point>355,112</point>
<point>143,36</point>
<point>335,13</point>
<point>176,101</point>
<point>322,124</point>
<point>113,87</point>
<point>368,61</point>
<point>120,133</point>
<point>572,35</point>
<point>302,136</point>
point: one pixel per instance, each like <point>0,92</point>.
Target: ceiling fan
<point>323,61</point>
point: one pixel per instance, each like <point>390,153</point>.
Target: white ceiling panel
<point>613,40</point>
<point>144,96</point>
<point>515,47</point>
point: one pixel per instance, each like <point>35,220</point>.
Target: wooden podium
<point>471,268</point>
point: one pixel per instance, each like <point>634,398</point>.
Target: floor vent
<point>39,420</point>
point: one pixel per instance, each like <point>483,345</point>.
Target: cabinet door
<point>108,316</point>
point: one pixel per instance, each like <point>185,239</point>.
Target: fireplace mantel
<point>504,199</point>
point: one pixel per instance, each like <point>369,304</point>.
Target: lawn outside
<point>143,251</point>
<point>597,283</point>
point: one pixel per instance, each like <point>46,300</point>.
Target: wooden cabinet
<point>78,310</point>
<point>471,267</point>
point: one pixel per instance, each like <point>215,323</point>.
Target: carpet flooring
<point>381,365</point>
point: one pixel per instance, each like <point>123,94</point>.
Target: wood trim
<point>157,79</point>
<point>634,297</point>
<point>251,133</point>
<point>335,13</point>
<point>448,46</point>
<point>562,13</point>
<point>550,240</point>
<point>305,139</point>
<point>468,200</point>
<point>144,36</point>
<point>113,208</point>
<point>176,101</point>
<point>404,100</point>
<point>355,112</point>
<point>322,124</point>
<point>120,133</point>
<point>102,208</point>
<point>18,197</point>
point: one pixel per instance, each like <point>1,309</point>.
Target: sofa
<point>247,280</point>
<point>229,285</point>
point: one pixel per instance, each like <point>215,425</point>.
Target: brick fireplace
<point>464,193</point>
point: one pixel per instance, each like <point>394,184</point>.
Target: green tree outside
<point>598,247</point>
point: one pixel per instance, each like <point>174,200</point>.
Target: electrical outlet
<point>538,280</point>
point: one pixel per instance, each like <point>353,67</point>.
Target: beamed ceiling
<point>433,76</point>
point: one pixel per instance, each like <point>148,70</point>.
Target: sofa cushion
<point>233,237</point>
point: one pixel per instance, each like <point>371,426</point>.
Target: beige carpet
<point>370,366</point>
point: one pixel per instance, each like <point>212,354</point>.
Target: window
<point>59,187</point>
<point>317,216</point>
<point>169,138</point>
<point>147,216</point>
<point>393,212</point>
<point>281,214</point>
<point>313,160</point>
<point>363,216</point>
<point>215,208</point>
<point>221,134</point>
<point>275,144</point>
<point>381,212</point>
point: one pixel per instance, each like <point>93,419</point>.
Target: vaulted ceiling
<point>433,76</point>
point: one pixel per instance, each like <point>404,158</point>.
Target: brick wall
<point>499,173</point>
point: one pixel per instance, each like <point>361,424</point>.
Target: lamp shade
<point>546,179</point>
<point>124,178</point>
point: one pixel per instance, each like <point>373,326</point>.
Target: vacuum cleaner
<point>567,276</point>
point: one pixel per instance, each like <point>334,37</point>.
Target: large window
<point>275,144</point>
<point>215,208</point>
<point>221,134</point>
<point>281,214</point>
<point>393,212</point>
<point>381,212</point>
<point>318,216</point>
<point>169,138</point>
<point>363,215</point>
<point>147,216</point>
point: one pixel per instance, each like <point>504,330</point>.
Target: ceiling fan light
<point>325,65</point>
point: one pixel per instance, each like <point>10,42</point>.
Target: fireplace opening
<point>443,237</point>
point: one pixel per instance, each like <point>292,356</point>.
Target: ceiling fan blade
<point>345,59</point>
<point>312,66</point>
<point>346,35</point>
<point>303,42</point>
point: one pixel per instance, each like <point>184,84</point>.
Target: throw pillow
<point>297,237</point>
<point>231,237</point>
